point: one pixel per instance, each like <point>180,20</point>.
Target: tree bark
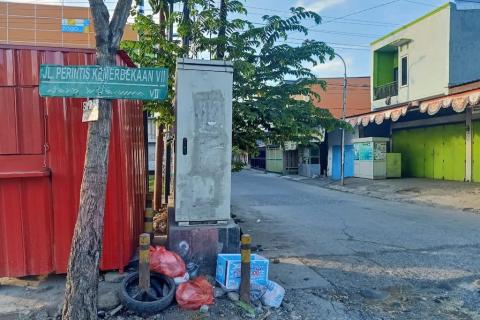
<point>81,290</point>
<point>159,145</point>
<point>157,191</point>
<point>222,31</point>
<point>186,21</point>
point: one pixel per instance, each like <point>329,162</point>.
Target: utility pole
<point>344,102</point>
<point>186,22</point>
<point>222,31</point>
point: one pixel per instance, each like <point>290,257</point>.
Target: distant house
<point>425,86</point>
<point>357,102</point>
<point>426,57</point>
<point>312,160</point>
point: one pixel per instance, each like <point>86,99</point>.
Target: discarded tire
<point>159,297</point>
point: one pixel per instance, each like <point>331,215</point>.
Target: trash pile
<point>170,279</point>
<point>160,222</point>
<point>228,276</point>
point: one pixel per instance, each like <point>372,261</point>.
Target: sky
<point>349,26</point>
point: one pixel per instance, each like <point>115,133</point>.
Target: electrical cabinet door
<point>203,140</point>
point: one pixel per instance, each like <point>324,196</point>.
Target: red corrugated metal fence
<point>42,150</point>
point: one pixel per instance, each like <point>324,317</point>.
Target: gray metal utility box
<point>203,140</point>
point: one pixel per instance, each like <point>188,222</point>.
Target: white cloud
<point>317,5</point>
<point>333,68</point>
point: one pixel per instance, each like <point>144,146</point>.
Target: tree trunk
<point>82,277</point>
<point>159,145</point>
<point>157,191</point>
<point>186,21</point>
<point>82,274</point>
<point>222,31</point>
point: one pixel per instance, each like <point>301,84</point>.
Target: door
<point>476,151</point>
<point>274,160</point>
<point>436,152</point>
<point>25,186</point>
<point>337,162</point>
<point>454,152</point>
<point>291,162</point>
<point>203,141</point>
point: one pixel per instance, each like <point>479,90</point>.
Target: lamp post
<point>342,166</point>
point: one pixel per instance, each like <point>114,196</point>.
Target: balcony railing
<point>385,91</point>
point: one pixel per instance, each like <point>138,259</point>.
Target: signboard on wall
<point>76,25</point>
<point>103,82</point>
<point>363,151</point>
<point>380,151</point>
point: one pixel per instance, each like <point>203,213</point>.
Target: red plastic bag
<point>192,294</point>
<point>166,262</point>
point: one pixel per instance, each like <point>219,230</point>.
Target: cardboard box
<point>228,273</point>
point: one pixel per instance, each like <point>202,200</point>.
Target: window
<point>404,71</point>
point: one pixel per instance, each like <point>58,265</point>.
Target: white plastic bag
<point>274,295</point>
<point>182,279</point>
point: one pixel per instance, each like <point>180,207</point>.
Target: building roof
<point>358,96</point>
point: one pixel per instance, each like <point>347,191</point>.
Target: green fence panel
<point>476,151</point>
<point>411,144</point>
<point>400,145</point>
<point>437,138</point>
<point>274,160</point>
<point>429,153</point>
<point>454,155</point>
<point>436,152</point>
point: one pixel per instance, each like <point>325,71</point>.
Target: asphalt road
<point>345,256</point>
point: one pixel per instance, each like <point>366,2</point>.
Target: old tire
<point>162,285</point>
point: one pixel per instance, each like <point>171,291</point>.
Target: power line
<point>362,11</point>
<point>331,31</point>
<point>346,21</point>
<point>420,3</point>
<point>330,17</point>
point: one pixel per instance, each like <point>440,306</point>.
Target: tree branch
<point>119,19</point>
<point>100,20</point>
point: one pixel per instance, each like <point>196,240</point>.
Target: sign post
<point>103,82</point>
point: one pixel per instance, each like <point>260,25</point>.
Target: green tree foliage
<point>267,104</point>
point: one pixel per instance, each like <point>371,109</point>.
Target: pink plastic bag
<point>193,294</point>
<point>166,262</point>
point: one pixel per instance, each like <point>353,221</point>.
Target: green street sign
<point>103,82</point>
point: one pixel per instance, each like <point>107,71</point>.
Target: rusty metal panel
<point>26,228</point>
<point>22,121</point>
<point>39,193</point>
<point>8,121</point>
<point>7,67</point>
<point>30,121</point>
<point>26,68</point>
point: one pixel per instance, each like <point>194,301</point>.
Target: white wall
<point>428,58</point>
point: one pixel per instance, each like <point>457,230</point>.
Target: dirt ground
<point>451,194</point>
<point>40,298</point>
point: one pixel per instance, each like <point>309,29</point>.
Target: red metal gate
<point>42,148</point>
